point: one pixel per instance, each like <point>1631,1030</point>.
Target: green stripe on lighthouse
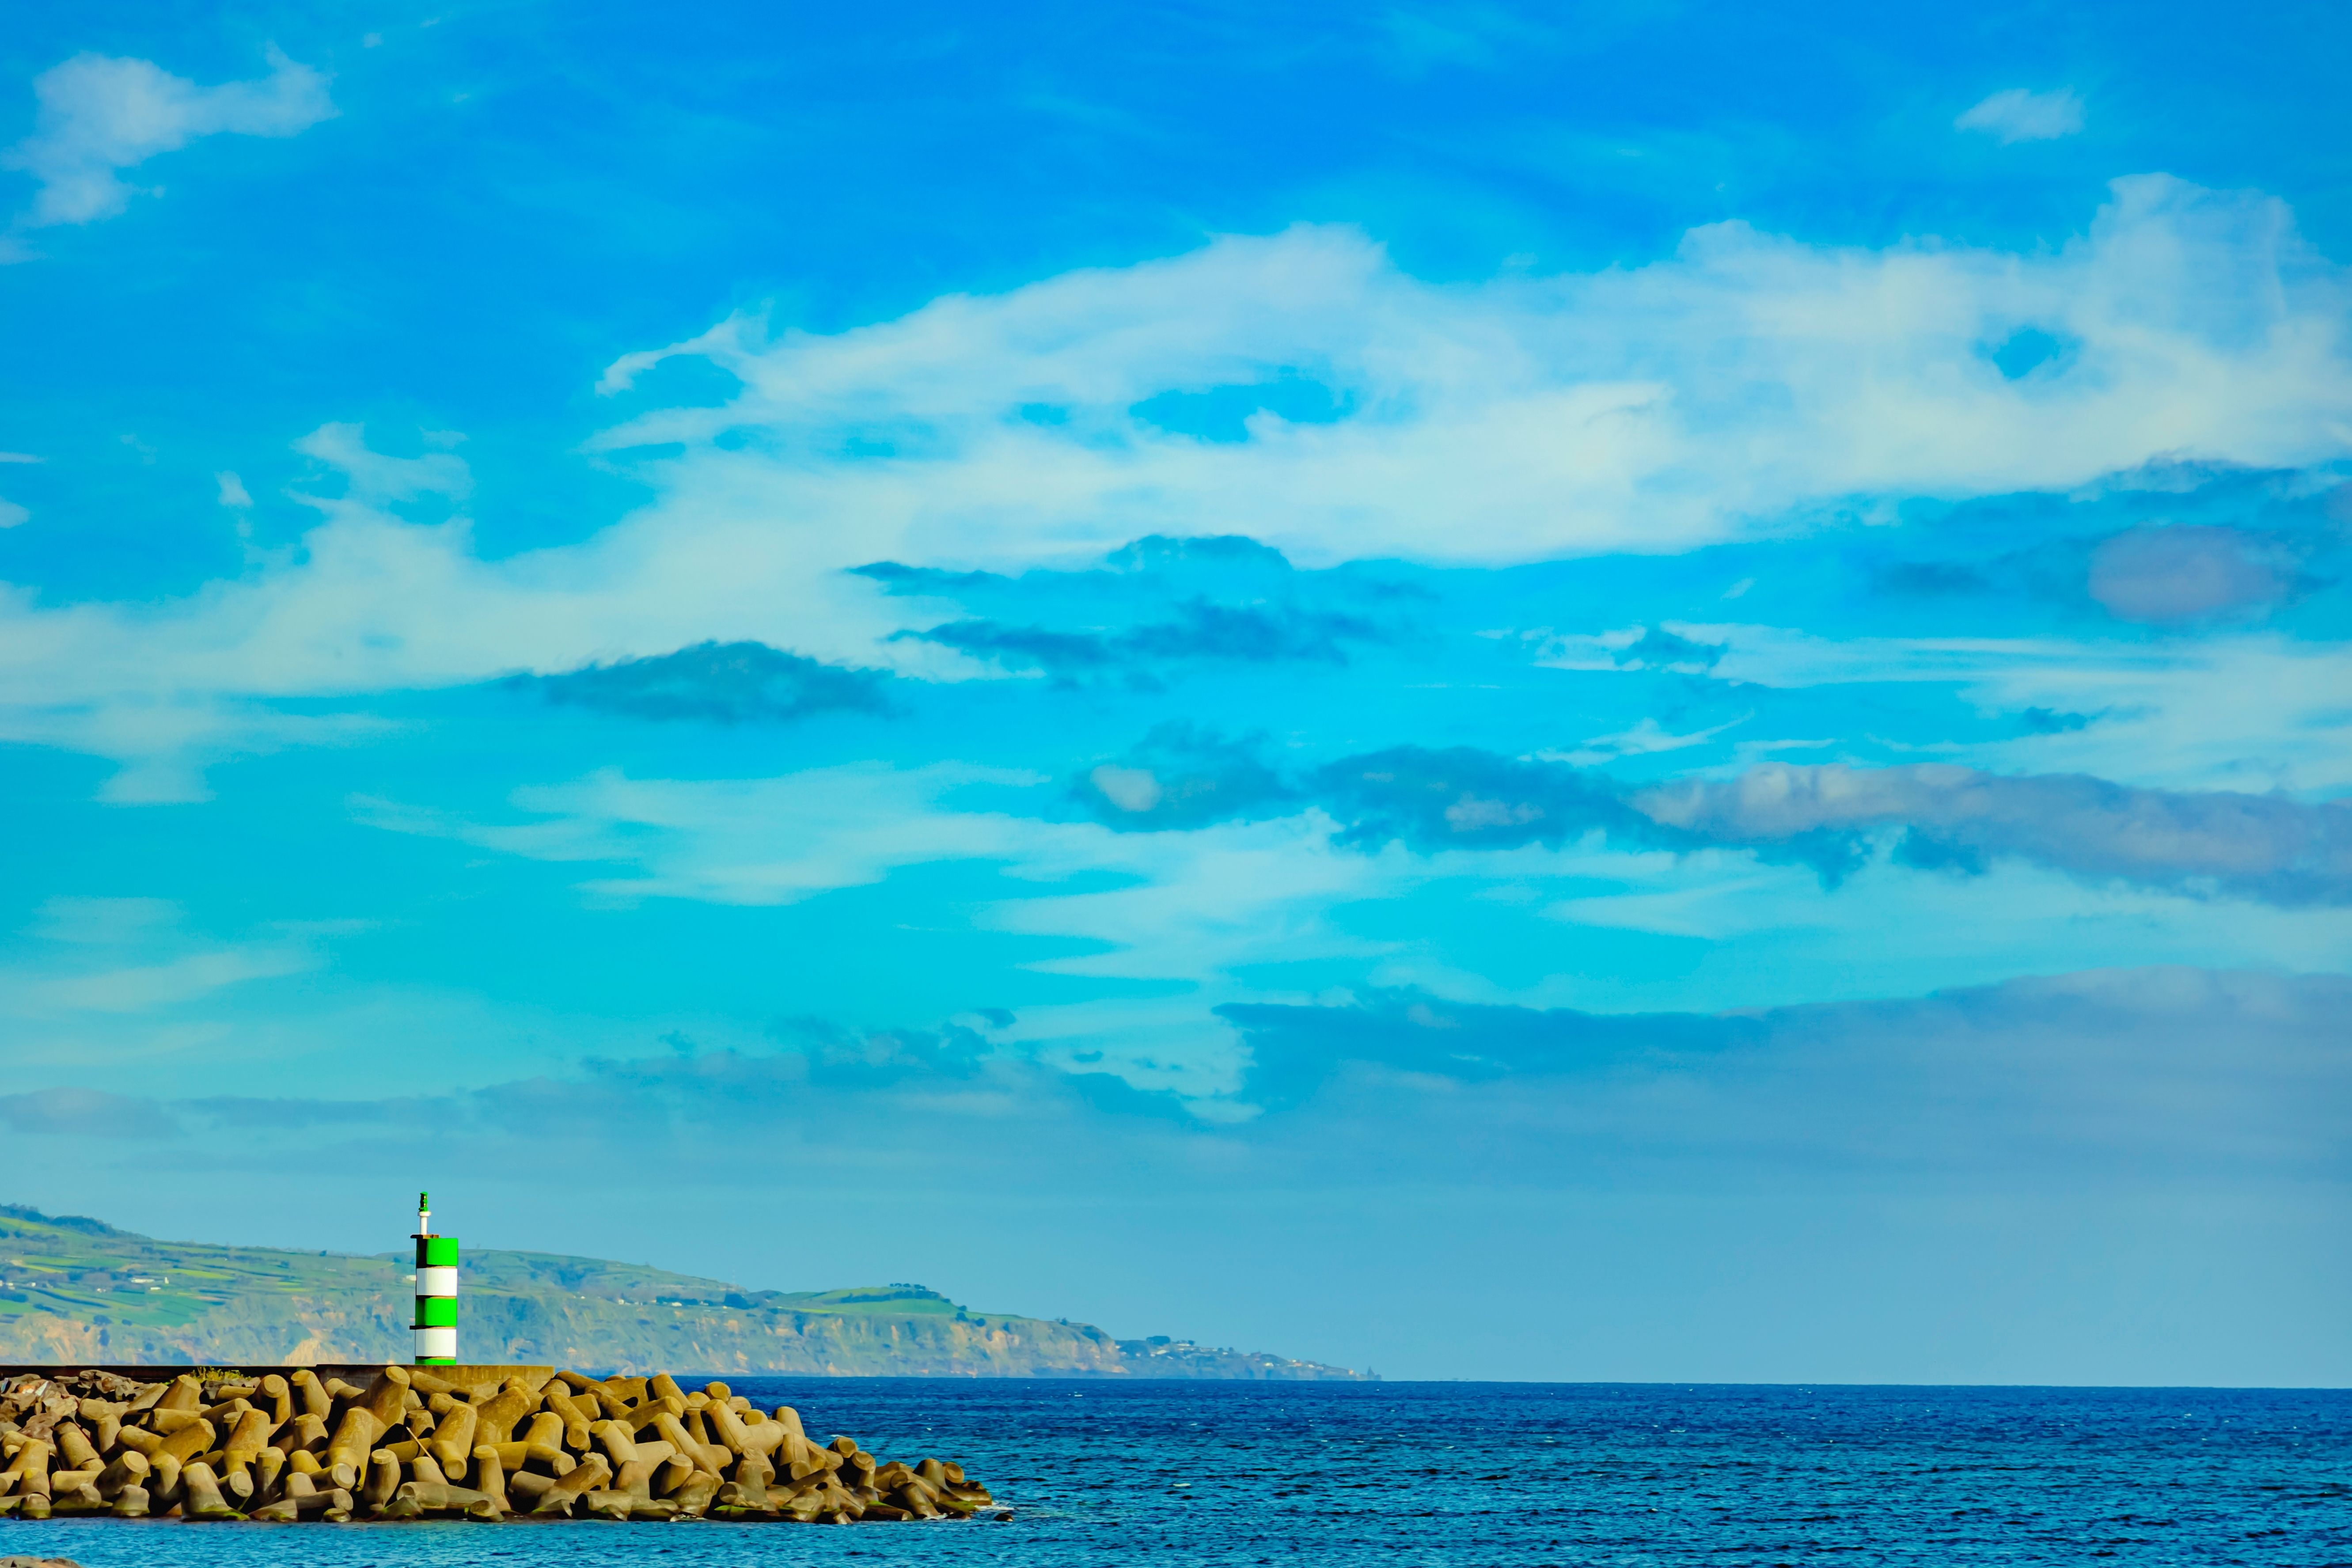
<point>435,1329</point>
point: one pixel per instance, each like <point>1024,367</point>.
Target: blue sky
<point>1622,692</point>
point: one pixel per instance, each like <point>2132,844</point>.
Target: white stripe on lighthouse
<point>434,1330</point>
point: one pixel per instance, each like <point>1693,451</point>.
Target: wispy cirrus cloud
<point>744,841</point>
<point>12,514</point>
<point>2221,712</point>
<point>132,956</point>
<point>2020,114</point>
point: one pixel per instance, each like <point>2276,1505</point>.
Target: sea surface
<point>1517,1474</point>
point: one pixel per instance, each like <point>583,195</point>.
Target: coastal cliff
<point>77,1290</point>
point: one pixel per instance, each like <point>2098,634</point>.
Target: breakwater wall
<point>487,1443</point>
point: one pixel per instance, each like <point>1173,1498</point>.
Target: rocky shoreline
<point>492,1444</point>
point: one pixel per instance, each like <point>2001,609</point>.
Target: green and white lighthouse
<point>437,1291</point>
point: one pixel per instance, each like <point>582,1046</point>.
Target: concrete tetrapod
<point>588,1476</point>
<point>489,1444</point>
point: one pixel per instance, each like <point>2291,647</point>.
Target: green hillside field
<point>75,1290</point>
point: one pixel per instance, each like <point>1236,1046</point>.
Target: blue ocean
<point>1521,1474</point>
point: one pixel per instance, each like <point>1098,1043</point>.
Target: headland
<point>76,1292</point>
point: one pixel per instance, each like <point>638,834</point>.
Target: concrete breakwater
<point>482,1443</point>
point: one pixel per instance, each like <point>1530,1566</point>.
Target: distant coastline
<point>78,1291</point>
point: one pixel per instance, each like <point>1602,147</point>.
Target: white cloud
<point>1479,36</point>
<point>1772,932</point>
<point>1743,378</point>
<point>11,514</point>
<point>2019,114</point>
<point>233,492</point>
<point>1646,738</point>
<point>371,476</point>
<point>1742,384</point>
<point>145,987</point>
<point>103,923</point>
<point>279,1010</point>
<point>2252,712</point>
<point>751,841</point>
<point>99,115</point>
<point>1129,789</point>
<point>165,742</point>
